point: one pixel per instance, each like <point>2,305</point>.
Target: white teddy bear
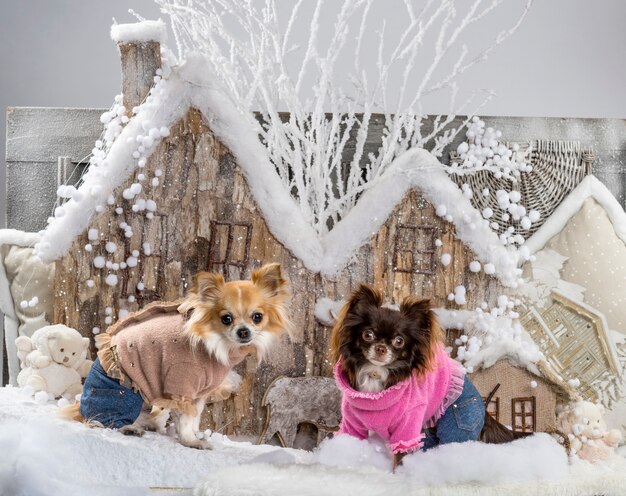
<point>586,429</point>
<point>54,360</point>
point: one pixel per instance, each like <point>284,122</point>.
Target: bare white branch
<point>271,59</point>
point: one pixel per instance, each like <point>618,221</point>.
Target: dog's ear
<point>365,295</point>
<point>429,334</point>
<point>341,335</point>
<point>416,308</point>
<point>208,286</point>
<point>270,280</point>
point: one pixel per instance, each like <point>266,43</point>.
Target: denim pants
<point>106,401</point>
<point>462,421</point>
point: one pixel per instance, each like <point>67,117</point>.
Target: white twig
<point>253,44</point>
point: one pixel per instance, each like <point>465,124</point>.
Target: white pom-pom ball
<point>534,215</point>
<point>474,266</point>
<point>574,383</point>
<point>41,397</point>
<point>135,188</point>
<point>490,268</point>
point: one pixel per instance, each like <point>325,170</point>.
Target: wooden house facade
<point>524,402</point>
<point>207,219</point>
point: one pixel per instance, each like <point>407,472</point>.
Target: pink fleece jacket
<point>399,413</point>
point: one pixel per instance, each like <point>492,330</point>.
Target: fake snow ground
<point>43,455</point>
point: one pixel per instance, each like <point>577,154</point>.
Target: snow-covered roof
<point>488,338</point>
<point>191,85</point>
<point>590,187</point>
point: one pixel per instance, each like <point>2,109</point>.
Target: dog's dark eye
<point>368,335</point>
<point>398,342</point>
<point>227,319</point>
<point>62,350</point>
<point>257,317</point>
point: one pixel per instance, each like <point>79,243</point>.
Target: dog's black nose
<point>243,334</point>
<point>380,349</point>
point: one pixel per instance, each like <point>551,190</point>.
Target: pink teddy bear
<point>586,429</point>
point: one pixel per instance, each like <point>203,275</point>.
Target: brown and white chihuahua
<point>214,327</point>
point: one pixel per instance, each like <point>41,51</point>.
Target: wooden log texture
<point>140,61</point>
<point>207,220</point>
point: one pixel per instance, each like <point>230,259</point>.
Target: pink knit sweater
<point>399,413</point>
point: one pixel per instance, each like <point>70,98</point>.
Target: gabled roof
<point>192,86</point>
<point>589,314</point>
<point>590,187</point>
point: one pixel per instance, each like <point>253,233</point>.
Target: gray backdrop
<point>565,61</point>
